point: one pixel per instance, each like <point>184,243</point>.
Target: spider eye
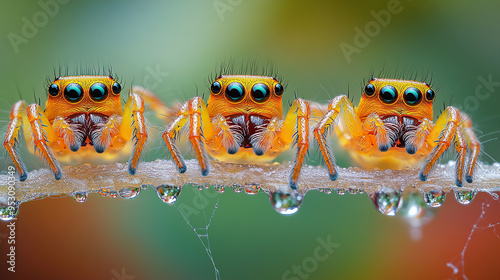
<point>369,89</point>
<point>98,91</point>
<point>412,96</point>
<point>278,89</point>
<point>216,87</point>
<point>388,94</point>
<point>235,91</point>
<point>54,89</point>
<point>429,94</point>
<point>73,92</point>
<point>117,88</point>
<point>260,92</point>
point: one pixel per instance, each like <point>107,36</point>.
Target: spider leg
<point>447,128</point>
<point>43,133</point>
<point>339,105</point>
<point>473,145</point>
<point>194,111</point>
<point>162,111</point>
<point>297,119</point>
<point>11,137</point>
<point>134,126</point>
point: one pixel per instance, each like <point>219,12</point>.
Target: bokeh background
<point>172,47</point>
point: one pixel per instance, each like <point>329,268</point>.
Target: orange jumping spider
<point>84,114</point>
<point>242,123</point>
<point>392,128</point>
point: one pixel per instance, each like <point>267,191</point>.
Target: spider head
<point>400,98</point>
<point>69,95</point>
<point>245,94</point>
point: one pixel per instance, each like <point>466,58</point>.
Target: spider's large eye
<point>260,92</point>
<point>215,87</point>
<point>235,91</point>
<point>278,89</point>
<point>369,89</point>
<point>412,96</point>
<point>117,88</point>
<point>54,89</point>
<point>98,91</point>
<point>388,94</point>
<point>429,94</point>
<point>73,92</point>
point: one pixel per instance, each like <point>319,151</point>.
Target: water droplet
<point>361,191</point>
<point>80,196</point>
<point>168,194</point>
<point>108,193</point>
<point>252,188</point>
<point>434,198</point>
<point>465,196</point>
<point>129,193</point>
<point>327,190</point>
<point>285,203</point>
<point>200,187</point>
<point>237,188</point>
<point>413,206</point>
<point>8,212</point>
<point>386,201</point>
<point>146,186</point>
<point>353,191</point>
<point>340,191</point>
<point>220,188</point>
<point>416,213</point>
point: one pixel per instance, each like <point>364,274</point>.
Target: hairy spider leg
<point>134,127</point>
<point>279,134</point>
<point>194,111</point>
<point>450,128</point>
<point>37,130</point>
<point>155,104</point>
<point>343,106</point>
<point>17,118</point>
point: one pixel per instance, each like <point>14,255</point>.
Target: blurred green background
<point>172,47</point>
